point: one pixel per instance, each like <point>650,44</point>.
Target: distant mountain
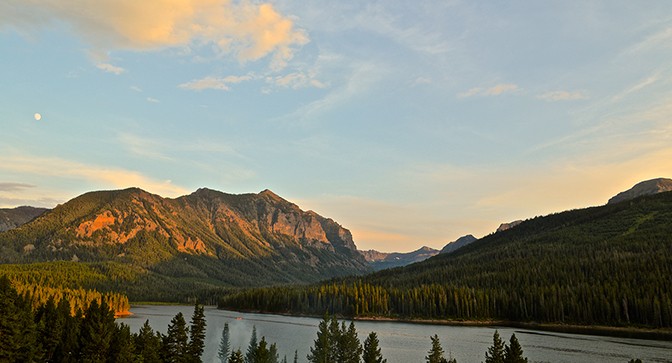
<point>207,238</point>
<point>381,260</point>
<point>505,226</point>
<point>459,243</point>
<point>647,187</point>
<point>12,218</point>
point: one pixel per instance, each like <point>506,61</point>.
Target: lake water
<point>403,342</point>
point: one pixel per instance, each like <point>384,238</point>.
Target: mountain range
<point>382,260</point>
<point>206,239</point>
<point>14,217</point>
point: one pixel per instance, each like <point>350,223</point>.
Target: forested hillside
<point>608,265</point>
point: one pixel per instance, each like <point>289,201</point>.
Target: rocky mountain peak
<point>647,187</point>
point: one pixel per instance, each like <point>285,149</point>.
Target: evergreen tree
<point>50,326</point>
<point>495,353</point>
<point>197,335</point>
<point>68,348</point>
<point>250,356</point>
<point>97,330</point>
<point>372,352</point>
<point>17,327</point>
<point>513,353</point>
<point>262,354</point>
<point>296,356</point>
<point>224,345</point>
<point>273,351</point>
<point>121,348</point>
<point>175,342</point>
<point>236,357</point>
<point>436,352</point>
<point>147,344</point>
<point>349,347</point>
<point>321,352</point>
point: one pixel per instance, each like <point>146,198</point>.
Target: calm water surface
<point>403,342</point>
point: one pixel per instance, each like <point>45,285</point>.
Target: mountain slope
<point>647,187</point>
<point>458,243</point>
<point>608,265</point>
<point>214,238</point>
<point>381,260</point>
<point>12,218</point>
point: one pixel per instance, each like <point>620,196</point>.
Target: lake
<point>404,342</point>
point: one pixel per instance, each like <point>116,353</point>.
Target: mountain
<point>647,187</point>
<point>609,266</point>
<point>12,218</point>
<point>458,243</point>
<point>381,260</point>
<point>205,239</point>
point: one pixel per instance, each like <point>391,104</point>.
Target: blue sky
<point>410,123</point>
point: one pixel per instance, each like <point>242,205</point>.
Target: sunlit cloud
<point>496,90</point>
<point>245,29</point>
<point>215,83</point>
<point>109,68</point>
<point>563,96</point>
<point>104,177</point>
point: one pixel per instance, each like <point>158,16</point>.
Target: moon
<point>37,116</point>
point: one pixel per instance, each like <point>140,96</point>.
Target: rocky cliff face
<point>12,218</point>
<point>505,226</point>
<point>647,187</point>
<point>249,233</point>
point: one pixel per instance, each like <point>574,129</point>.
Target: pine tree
<point>349,347</point>
<point>196,335</point>
<point>17,328</point>
<point>176,340</point>
<point>50,326</point>
<point>121,348</point>
<point>68,348</point>
<point>250,356</point>
<point>513,353</point>
<point>273,352</point>
<point>97,330</point>
<point>436,352</point>
<point>224,345</point>
<point>262,354</point>
<point>495,353</point>
<point>236,357</point>
<point>323,345</point>
<point>147,344</point>
<point>372,352</point>
<point>296,356</point>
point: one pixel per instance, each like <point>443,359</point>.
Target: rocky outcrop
<point>15,217</point>
<point>648,187</point>
<point>504,226</point>
<point>458,243</point>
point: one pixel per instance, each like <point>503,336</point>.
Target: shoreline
<point>600,330</point>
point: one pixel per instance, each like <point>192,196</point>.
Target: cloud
<point>101,176</point>
<point>13,187</point>
<point>496,90</point>
<point>563,96</point>
<point>110,68</point>
<point>214,83</point>
<point>296,80</point>
<point>153,100</point>
<point>246,29</point>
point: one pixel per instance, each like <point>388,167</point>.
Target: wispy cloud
<point>495,90</point>
<point>109,68</point>
<point>215,83</point>
<point>563,96</point>
<point>12,187</point>
<point>246,29</point>
<point>153,100</point>
<point>103,177</point>
<point>296,80</point>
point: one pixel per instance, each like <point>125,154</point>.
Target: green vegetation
<point>609,265</point>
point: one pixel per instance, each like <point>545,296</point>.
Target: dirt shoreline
<point>611,331</point>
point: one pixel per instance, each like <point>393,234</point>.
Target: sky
<point>411,123</point>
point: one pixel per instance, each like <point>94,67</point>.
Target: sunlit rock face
<point>647,187</point>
